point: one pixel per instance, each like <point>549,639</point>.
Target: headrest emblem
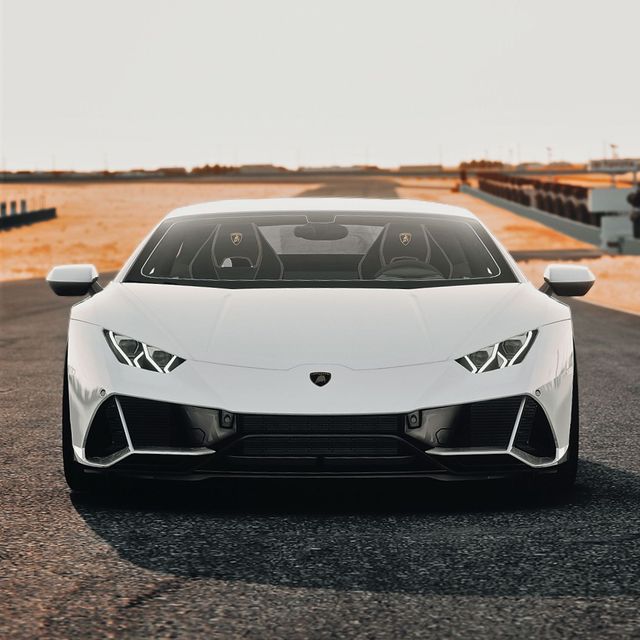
<point>405,238</point>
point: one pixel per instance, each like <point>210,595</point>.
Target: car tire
<point>74,474</point>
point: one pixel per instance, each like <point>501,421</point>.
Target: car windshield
<point>313,250</point>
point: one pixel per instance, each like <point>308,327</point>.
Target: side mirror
<point>74,280</point>
<point>567,280</point>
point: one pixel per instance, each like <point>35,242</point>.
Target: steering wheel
<point>408,268</point>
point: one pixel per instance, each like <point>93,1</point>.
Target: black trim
<point>569,289</point>
<point>75,288</point>
<point>493,464</point>
<point>70,288</point>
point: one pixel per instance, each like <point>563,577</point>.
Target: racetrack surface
<point>316,559</point>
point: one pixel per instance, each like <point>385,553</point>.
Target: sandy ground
<point>103,223</point>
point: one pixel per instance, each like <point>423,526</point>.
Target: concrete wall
<point>609,199</point>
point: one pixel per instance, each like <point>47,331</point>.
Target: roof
<point>321,205</point>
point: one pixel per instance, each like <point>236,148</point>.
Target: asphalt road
<point>316,560</point>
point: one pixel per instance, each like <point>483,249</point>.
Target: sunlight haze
<point>94,85</point>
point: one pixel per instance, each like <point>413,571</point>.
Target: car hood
<point>280,328</point>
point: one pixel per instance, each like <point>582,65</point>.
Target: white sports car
<point>320,337</point>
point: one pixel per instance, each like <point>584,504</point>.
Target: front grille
<point>492,422</point>
<point>250,424</point>
<point>164,425</point>
<point>487,424</point>
<point>152,424</point>
<point>318,443</point>
<point>318,446</point>
<point>323,435</point>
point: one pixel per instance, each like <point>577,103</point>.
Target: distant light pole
<point>614,156</point>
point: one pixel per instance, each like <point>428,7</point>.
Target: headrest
<point>404,240</point>
<point>233,240</point>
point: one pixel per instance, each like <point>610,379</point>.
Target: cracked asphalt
<point>335,559</point>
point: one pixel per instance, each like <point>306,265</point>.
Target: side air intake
<point>534,434</point>
<point>106,435</point>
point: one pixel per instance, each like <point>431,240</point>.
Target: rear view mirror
<point>567,280</point>
<point>74,280</point>
<point>321,231</point>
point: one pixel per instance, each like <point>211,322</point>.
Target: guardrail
<point>14,216</point>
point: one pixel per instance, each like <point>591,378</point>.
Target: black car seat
<point>236,251</point>
<point>399,241</point>
<point>240,252</point>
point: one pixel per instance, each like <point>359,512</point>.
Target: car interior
<point>400,250</point>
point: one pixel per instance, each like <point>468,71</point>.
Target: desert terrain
<point>103,223</point>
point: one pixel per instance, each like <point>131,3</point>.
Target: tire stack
<point>564,200</point>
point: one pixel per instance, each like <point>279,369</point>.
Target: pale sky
<point>90,84</point>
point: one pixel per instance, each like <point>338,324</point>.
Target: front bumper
<point>490,439</point>
<point>541,386</point>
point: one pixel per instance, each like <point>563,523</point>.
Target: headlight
<point>500,355</point>
<point>138,354</point>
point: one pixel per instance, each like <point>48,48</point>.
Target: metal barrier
<point>11,216</point>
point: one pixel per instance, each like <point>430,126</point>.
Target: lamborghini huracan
<point>328,337</point>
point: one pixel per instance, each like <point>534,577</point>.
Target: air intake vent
<point>164,425</point>
<point>487,424</point>
<point>319,446</point>
<point>534,432</point>
<point>106,435</point>
<point>153,424</point>
<point>322,443</point>
<point>251,424</point>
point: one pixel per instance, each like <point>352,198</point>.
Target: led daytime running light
<point>499,357</point>
<point>143,356</point>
